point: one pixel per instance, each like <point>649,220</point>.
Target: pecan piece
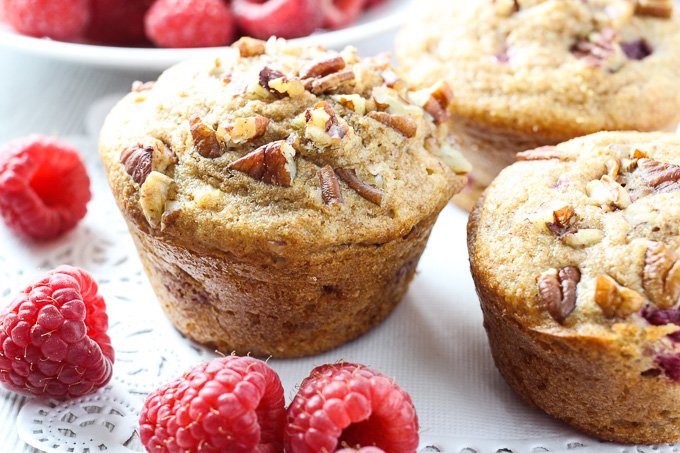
<point>324,67</point>
<point>662,176</point>
<point>351,101</point>
<point>562,224</point>
<point>584,237</point>
<point>392,80</point>
<point>331,82</point>
<point>608,193</point>
<point>153,195</point>
<point>250,47</point>
<point>654,8</point>
<point>542,153</point>
<point>205,138</point>
<point>240,130</point>
<point>137,162</point>
<point>403,124</point>
<point>615,300</point>
<point>366,191</point>
<point>330,188</point>
<point>439,101</point>
<point>273,163</point>
<point>506,8</point>
<point>323,126</point>
<point>557,291</point>
<point>600,49</point>
<point>278,84</point>
<point>661,275</point>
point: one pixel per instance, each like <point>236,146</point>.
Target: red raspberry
<point>118,22</point>
<point>361,450</point>
<point>232,404</point>
<point>189,23</point>
<point>373,3</point>
<point>44,187</point>
<point>56,19</point>
<point>282,18</point>
<point>341,13</point>
<point>349,404</point>
<point>53,337</point>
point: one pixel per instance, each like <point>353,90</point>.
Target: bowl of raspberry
<point>155,34</point>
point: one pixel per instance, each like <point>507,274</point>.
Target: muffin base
<point>585,381</point>
<point>270,305</point>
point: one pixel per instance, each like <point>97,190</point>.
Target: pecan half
<point>331,82</point>
<point>250,47</point>
<point>439,101</point>
<point>366,191</point>
<point>403,124</point>
<point>205,138</point>
<point>542,153</point>
<point>654,8</point>
<point>323,126</point>
<point>615,300</point>
<point>608,193</point>
<point>330,188</point>
<point>278,84</point>
<point>320,68</point>
<point>137,162</point>
<point>557,291</point>
<point>273,163</point>
<point>661,275</point>
<point>240,130</point>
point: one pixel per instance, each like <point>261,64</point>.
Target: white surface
<point>374,23</point>
<point>433,345</point>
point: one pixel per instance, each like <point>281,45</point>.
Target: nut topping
<point>323,126</point>
<point>137,162</point>
<point>323,67</point>
<point>273,163</point>
<point>330,188</point>
<point>331,82</point>
<point>584,237</point>
<point>542,153</point>
<point>366,191</point>
<point>608,193</point>
<point>241,130</point>
<point>278,84</point>
<point>615,300</point>
<point>351,101</point>
<point>439,101</point>
<point>557,291</point>
<point>661,275</point>
<point>562,223</point>
<point>600,49</point>
<point>506,8</point>
<point>663,176</point>
<point>402,124</point>
<point>451,157</point>
<point>205,138</point>
<point>654,8</point>
<point>250,47</point>
<point>152,197</point>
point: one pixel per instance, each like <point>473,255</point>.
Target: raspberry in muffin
<point>528,73</point>
<point>280,197</point>
<point>578,273</point>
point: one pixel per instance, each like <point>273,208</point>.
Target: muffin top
<point>555,69</point>
<point>271,145</point>
<point>588,244</point>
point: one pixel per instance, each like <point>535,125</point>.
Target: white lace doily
<point>434,345</point>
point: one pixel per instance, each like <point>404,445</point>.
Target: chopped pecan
<point>655,8</point>
<point>250,47</point>
<point>153,195</point>
<point>323,67</point>
<point>366,191</point>
<point>351,101</point>
<point>205,138</point>
<point>392,80</point>
<point>331,82</point>
<point>557,291</point>
<point>241,130</point>
<point>615,300</point>
<point>608,193</point>
<point>661,275</point>
<point>584,237</point>
<point>137,162</point>
<point>563,219</point>
<point>402,124</point>
<point>439,101</point>
<point>273,163</point>
<point>600,49</point>
<point>278,84</point>
<point>330,188</point>
<point>542,153</point>
<point>451,156</point>
<point>506,7</point>
<point>662,176</point>
<point>323,126</point>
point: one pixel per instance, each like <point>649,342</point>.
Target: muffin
<point>280,197</point>
<point>529,73</point>
<point>575,254</point>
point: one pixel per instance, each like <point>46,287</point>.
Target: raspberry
<point>281,18</point>
<point>341,13</point>
<point>44,187</point>
<point>118,22</point>
<point>350,405</point>
<point>189,23</point>
<point>658,317</point>
<point>232,404</point>
<point>670,365</point>
<point>361,450</point>
<point>56,19</point>
<point>373,3</point>
<point>53,337</point>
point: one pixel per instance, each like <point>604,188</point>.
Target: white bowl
<point>374,23</point>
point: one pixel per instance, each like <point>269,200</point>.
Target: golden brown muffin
<point>280,197</point>
<point>527,73</point>
<point>575,254</point>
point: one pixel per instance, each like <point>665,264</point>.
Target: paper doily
<point>434,345</point>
